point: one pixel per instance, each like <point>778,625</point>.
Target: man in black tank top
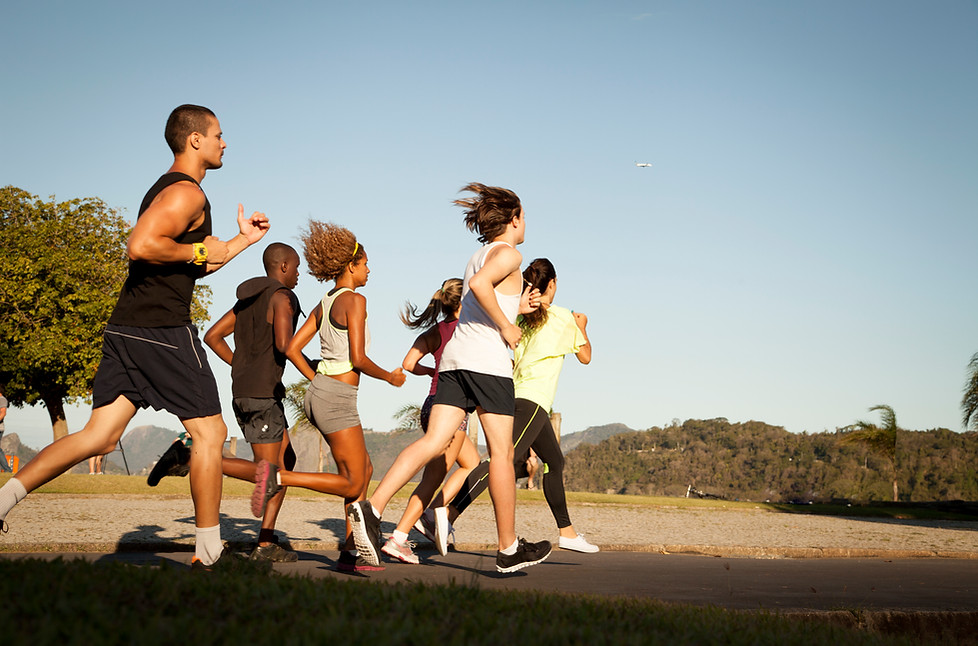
<point>151,354</point>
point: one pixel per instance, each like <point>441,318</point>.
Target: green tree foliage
<point>63,264</point>
<point>881,440</point>
<point>757,461</point>
<point>408,417</point>
<point>969,402</point>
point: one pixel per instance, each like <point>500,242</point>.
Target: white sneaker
<point>577,544</point>
<point>442,529</point>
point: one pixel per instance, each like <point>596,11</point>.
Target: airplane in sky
<point>643,164</point>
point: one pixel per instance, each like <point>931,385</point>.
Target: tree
<point>61,268</point>
<point>408,418</point>
<point>881,440</point>
<point>969,403</point>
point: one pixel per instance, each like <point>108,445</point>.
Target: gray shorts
<point>331,405</point>
<point>262,419</point>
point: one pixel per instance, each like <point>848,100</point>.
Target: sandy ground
<point>59,522</point>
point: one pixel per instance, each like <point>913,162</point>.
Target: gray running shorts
<point>331,405</point>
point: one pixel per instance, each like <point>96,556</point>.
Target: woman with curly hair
<point>340,320</point>
<point>440,318</point>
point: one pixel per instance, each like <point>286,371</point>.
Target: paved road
<point>906,585</point>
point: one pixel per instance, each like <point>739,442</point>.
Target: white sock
<point>278,478</point>
<point>509,551</point>
<point>11,494</point>
<point>400,537</point>
<point>209,546</point>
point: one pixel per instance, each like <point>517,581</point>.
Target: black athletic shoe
<point>227,561</point>
<point>274,553</point>
<point>366,531</point>
<point>349,563</point>
<point>527,554</point>
<point>175,461</point>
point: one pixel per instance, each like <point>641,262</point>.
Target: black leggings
<point>531,429</point>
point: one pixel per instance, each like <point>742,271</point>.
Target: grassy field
<point>136,485</point>
<point>76,602</point>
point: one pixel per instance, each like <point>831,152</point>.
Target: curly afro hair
<point>328,249</point>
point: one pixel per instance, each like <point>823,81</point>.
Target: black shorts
<point>262,419</point>
<point>467,390</point>
<point>165,368</point>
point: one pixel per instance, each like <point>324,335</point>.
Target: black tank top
<point>160,295</point>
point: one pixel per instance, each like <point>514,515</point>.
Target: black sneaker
<point>266,487</point>
<point>228,561</point>
<point>175,461</point>
<point>275,553</point>
<point>526,554</point>
<point>366,531</point>
<point>350,563</point>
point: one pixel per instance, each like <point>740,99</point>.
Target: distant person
<point>151,354</point>
<point>532,466</point>
<point>476,374</point>
<point>96,465</point>
<point>549,333</point>
<point>440,318</point>
<point>262,321</point>
<point>340,321</point>
<point>3,414</point>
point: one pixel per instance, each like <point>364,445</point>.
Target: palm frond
<point>969,403</point>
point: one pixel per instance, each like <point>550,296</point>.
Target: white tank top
<point>334,342</point>
<point>477,345</point>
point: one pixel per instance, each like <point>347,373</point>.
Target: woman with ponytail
<point>439,319</point>
<point>549,333</point>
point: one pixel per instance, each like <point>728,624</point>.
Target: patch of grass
<point>77,602</point>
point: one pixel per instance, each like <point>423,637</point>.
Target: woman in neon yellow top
<point>549,333</point>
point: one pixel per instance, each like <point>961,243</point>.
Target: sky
<point>801,248</point>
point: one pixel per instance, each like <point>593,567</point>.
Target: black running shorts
<point>468,390</point>
<point>165,368</point>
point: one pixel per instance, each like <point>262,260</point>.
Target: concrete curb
<point>694,550</point>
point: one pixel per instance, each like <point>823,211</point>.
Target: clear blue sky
<point>802,247</point>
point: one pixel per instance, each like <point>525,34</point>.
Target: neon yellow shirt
<point>540,356</point>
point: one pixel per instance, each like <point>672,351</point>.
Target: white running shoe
<point>442,529</point>
<point>401,551</point>
<point>577,544</point>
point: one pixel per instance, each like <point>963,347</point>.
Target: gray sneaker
<point>366,531</point>
<point>275,553</point>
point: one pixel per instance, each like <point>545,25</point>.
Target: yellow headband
<point>356,248</point>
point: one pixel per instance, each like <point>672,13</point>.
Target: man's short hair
<point>184,121</point>
<point>277,253</point>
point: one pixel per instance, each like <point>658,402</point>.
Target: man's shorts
<point>468,390</point>
<point>262,419</point>
<point>165,368</point>
<point>331,405</point>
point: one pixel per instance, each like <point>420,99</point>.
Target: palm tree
<point>408,417</point>
<point>969,403</point>
<point>295,394</point>
<point>881,440</point>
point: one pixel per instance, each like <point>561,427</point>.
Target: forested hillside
<point>756,461</point>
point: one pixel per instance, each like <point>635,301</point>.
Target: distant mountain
<point>591,435</point>
<point>143,446</point>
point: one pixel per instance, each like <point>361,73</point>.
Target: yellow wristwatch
<point>200,253</point>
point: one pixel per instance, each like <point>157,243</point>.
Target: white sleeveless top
<point>477,345</point>
<point>334,342</point>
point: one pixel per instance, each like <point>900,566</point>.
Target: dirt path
<point>61,522</point>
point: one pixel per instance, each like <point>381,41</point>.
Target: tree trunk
<point>896,497</point>
<point>56,411</point>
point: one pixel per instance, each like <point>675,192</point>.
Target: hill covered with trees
<point>757,461</point>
